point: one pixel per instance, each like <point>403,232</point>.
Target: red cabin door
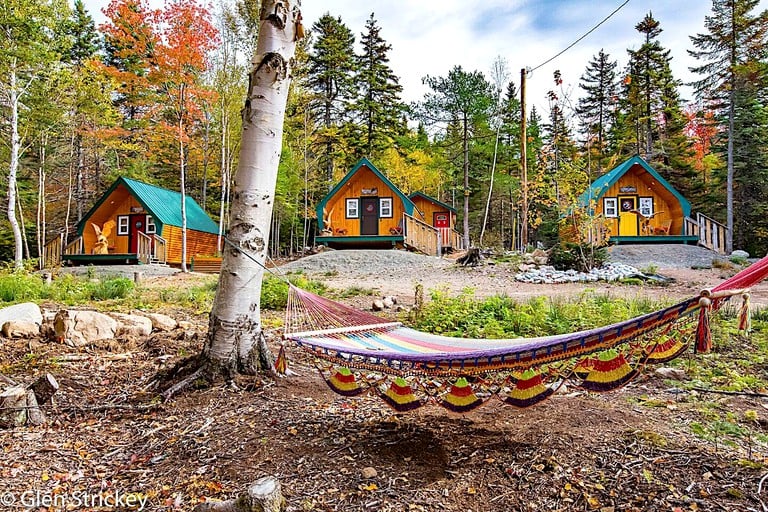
<point>369,215</point>
<point>137,223</point>
<point>442,221</point>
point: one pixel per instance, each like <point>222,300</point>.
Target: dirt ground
<point>110,438</point>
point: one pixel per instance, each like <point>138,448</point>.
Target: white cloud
<point>429,37</point>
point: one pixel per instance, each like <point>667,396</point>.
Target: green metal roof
<point>432,199</point>
<point>163,204</point>
<point>601,185</point>
<point>364,162</point>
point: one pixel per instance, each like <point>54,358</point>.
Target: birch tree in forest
<point>235,342</point>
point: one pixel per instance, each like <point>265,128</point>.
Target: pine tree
<point>464,100</point>
<point>597,109</point>
<point>378,108</point>
<point>331,78</point>
<point>736,38</point>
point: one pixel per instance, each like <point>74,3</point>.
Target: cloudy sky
<point>429,37</point>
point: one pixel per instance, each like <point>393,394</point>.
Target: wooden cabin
<point>134,222</point>
<point>365,209</point>
<point>635,204</point>
<point>442,216</point>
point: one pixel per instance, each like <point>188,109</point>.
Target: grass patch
<point>504,317</point>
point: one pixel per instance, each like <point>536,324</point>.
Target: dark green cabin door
<point>369,216</point>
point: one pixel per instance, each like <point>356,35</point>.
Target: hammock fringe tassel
<point>703,329</point>
<point>360,350</point>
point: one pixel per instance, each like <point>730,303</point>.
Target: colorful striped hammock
<point>361,353</point>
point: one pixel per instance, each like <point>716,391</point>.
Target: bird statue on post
<point>101,246</point>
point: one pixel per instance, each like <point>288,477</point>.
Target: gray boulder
<point>24,312</point>
<point>162,322</point>
<point>79,328</point>
<point>20,329</point>
<point>132,325</point>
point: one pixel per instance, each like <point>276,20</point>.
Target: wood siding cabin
<point>142,224</point>
<point>633,203</point>
<point>365,209</point>
<point>440,216</point>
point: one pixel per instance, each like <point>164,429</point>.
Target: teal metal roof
<point>432,199</point>
<point>163,204</point>
<point>364,162</point>
<point>601,185</point>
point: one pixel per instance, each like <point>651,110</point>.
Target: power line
<point>579,39</point>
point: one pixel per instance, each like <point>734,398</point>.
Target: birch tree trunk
<point>183,184</point>
<point>235,327</point>
<point>13,94</point>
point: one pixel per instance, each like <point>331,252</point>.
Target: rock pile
<point>548,275</point>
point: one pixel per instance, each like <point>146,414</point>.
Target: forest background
<point>156,94</point>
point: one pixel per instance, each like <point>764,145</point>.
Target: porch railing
<point>160,250</point>
<point>51,256</point>
<point>421,236</point>
<point>710,232</point>
<point>75,246</point>
<point>144,248</point>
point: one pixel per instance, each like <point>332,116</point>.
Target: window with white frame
<point>122,225</point>
<point>611,206</point>
<point>385,207</point>
<point>151,227</point>
<point>353,208</point>
<point>646,206</point>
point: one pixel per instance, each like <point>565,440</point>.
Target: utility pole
<point>524,165</point>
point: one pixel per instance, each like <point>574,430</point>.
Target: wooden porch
<point>415,235</point>
<point>702,230</point>
<point>149,249</point>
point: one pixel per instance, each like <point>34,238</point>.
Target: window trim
<point>611,203</point>
<point>386,202</point>
<point>352,208</point>
<point>648,199</point>
<point>150,223</point>
<point>123,224</point>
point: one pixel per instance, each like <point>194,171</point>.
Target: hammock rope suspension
<point>416,368</point>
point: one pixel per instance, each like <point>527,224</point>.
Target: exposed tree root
<point>198,371</point>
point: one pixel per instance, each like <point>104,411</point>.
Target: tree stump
<point>44,388</point>
<point>20,404</point>
<point>264,495</point>
<point>471,259</point>
<point>13,407</point>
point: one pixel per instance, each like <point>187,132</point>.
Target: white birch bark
<point>13,96</point>
<point>235,321</point>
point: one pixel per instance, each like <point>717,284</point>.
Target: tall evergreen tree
<point>464,100</point>
<point>750,161</point>
<point>597,108</point>
<point>331,78</point>
<point>735,38</point>
<point>378,107</point>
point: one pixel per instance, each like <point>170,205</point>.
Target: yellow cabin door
<point>628,219</point>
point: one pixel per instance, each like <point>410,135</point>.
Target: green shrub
<point>581,257</point>
<point>503,317</point>
<point>21,287</point>
<point>111,288</point>
<point>274,291</point>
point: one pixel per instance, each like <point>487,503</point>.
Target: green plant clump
<point>581,257</point>
<point>504,317</point>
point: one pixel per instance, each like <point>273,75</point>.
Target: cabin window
<point>353,208</point>
<point>151,228</point>
<point>646,206</point>
<point>385,207</point>
<point>611,207</point>
<point>122,225</point>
